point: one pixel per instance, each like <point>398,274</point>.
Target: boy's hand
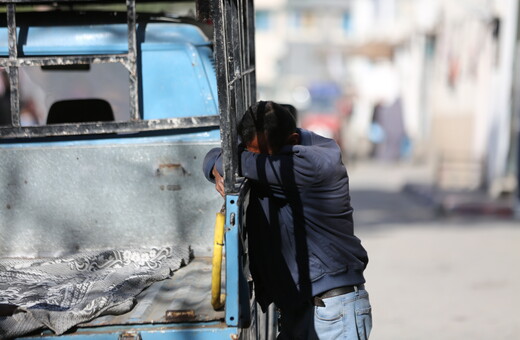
<point>219,181</point>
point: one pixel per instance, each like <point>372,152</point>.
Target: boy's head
<point>266,127</point>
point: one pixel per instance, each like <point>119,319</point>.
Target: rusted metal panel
<point>110,127</point>
<point>66,60</point>
<point>79,197</point>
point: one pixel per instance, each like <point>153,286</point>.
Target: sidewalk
<point>431,275</point>
<point>462,202</point>
<point>418,181</point>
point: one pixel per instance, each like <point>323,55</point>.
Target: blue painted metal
<point>232,260</point>
<point>206,331</point>
<point>105,197</point>
<point>193,334</point>
<point>102,39</point>
<point>176,80</point>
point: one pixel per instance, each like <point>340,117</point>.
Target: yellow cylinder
<point>217,300</point>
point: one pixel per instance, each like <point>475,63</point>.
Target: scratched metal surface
<point>62,199</point>
<point>186,297</point>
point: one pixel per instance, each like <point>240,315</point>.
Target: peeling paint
<point>170,187</point>
<point>180,315</point>
<point>171,169</point>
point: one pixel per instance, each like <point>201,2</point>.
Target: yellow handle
<point>217,300</point>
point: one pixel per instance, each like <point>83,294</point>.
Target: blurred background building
<point>418,80</point>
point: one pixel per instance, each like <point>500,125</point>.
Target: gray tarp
<point>60,293</point>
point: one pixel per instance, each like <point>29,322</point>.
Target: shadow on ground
<point>379,209</point>
<point>374,208</point>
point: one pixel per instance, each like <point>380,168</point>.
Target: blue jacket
<point>299,221</point>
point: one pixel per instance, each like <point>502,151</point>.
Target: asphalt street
<point>431,276</point>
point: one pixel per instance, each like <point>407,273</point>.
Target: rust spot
<point>170,187</point>
<point>130,336</point>
<point>8,206</point>
<point>184,315</point>
<point>170,166</point>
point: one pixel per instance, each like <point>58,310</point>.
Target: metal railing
<point>14,61</point>
<point>235,61</point>
<point>234,51</point>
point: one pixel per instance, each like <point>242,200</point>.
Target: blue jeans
<point>346,316</point>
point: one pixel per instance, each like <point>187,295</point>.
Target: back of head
<point>272,120</point>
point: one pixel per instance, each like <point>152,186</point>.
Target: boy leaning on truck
<point>304,255</point>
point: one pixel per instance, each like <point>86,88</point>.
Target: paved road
<point>434,277</point>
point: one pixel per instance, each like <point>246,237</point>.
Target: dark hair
<point>269,118</point>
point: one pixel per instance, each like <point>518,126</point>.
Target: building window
<point>263,20</point>
<point>346,22</point>
<point>302,20</point>
<point>295,20</point>
<point>309,20</point>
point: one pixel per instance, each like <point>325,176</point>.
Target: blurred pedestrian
<point>388,131</point>
<point>303,254</point>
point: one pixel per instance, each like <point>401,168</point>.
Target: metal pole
<point>226,97</point>
<point>251,51</point>
<point>132,60</point>
<point>13,67</point>
<point>235,17</point>
<point>516,116</point>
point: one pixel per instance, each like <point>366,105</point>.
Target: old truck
<point>107,110</point>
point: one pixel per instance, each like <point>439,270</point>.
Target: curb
<point>465,203</point>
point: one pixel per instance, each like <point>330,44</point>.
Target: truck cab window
<point>78,94</point>
<point>95,72</point>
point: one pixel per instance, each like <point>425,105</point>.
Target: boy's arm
<point>212,168</point>
<point>283,169</point>
<point>212,159</point>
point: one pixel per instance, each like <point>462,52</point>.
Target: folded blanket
<point>61,293</point>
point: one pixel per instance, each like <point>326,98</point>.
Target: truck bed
<point>186,297</point>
